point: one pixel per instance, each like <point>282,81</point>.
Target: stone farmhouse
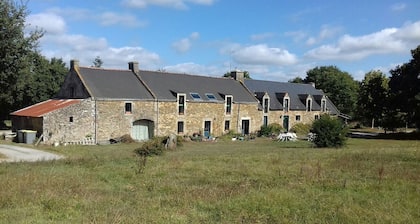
<point>97,105</point>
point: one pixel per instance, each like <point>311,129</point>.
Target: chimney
<point>237,75</point>
<point>74,64</point>
<point>134,66</point>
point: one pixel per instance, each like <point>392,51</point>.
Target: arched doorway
<point>142,130</point>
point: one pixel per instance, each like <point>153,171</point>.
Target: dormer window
<point>323,105</point>
<point>308,104</point>
<point>195,96</point>
<point>286,104</point>
<point>266,104</point>
<point>228,104</point>
<point>181,103</point>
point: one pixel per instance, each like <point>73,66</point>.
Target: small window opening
<point>128,108</point>
<point>71,119</point>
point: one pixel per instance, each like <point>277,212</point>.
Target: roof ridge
<point>186,74</point>
<point>107,69</point>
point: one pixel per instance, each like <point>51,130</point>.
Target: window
<point>323,105</point>
<point>181,104</point>
<point>308,104</point>
<point>265,122</point>
<point>266,105</point>
<point>72,92</point>
<point>210,96</point>
<point>195,96</point>
<point>286,104</point>
<point>228,100</point>
<point>227,125</point>
<point>128,108</point>
<point>71,119</point>
<point>180,127</point>
<point>297,117</point>
<point>316,117</point>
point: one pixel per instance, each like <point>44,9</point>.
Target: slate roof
<point>45,107</point>
<point>166,86</point>
<point>297,93</point>
<point>114,84</point>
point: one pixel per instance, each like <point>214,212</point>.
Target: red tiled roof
<point>40,109</point>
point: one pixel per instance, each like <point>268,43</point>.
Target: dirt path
<point>22,154</point>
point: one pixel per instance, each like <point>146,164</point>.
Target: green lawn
<point>261,181</point>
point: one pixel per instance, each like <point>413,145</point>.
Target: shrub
<point>301,129</point>
<point>270,129</point>
<point>154,146</point>
<point>329,132</point>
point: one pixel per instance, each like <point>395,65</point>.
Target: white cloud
<point>386,41</point>
<point>195,69</point>
<point>184,45</point>
<point>398,7</point>
<point>177,4</point>
<point>263,55</point>
<point>50,23</point>
<point>325,33</point>
<point>111,18</point>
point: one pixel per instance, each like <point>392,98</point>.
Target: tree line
<point>27,77</point>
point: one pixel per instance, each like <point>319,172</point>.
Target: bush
<point>154,146</point>
<point>270,129</point>
<point>301,129</point>
<point>329,132</point>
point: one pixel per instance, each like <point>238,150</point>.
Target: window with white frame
<point>266,104</point>
<point>308,104</point>
<point>181,103</point>
<point>228,104</point>
<point>298,117</point>
<point>323,105</point>
<point>286,104</point>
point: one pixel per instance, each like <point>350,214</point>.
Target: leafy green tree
<point>339,86</point>
<point>373,98</point>
<point>329,132</point>
<point>405,89</point>
<point>297,80</point>
<point>16,50</point>
<point>246,75</point>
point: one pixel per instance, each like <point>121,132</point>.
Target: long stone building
<point>100,104</point>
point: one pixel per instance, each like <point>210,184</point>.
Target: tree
<point>229,74</point>
<point>329,132</point>
<point>373,97</point>
<point>16,51</point>
<point>297,80</point>
<point>98,62</point>
<point>339,86</point>
<point>404,87</point>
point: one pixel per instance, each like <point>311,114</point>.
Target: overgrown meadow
<point>259,181</point>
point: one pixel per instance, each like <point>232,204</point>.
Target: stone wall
<point>306,117</point>
<point>196,113</point>
<point>70,124</point>
<point>114,122</point>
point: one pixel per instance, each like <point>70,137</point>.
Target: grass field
<point>261,181</point>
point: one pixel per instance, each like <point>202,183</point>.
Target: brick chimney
<point>74,64</point>
<point>134,66</point>
<point>238,75</point>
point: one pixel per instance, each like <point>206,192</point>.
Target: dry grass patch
<point>261,181</point>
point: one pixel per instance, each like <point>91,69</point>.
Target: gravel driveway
<point>22,154</point>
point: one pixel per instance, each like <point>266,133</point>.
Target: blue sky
<point>272,39</point>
